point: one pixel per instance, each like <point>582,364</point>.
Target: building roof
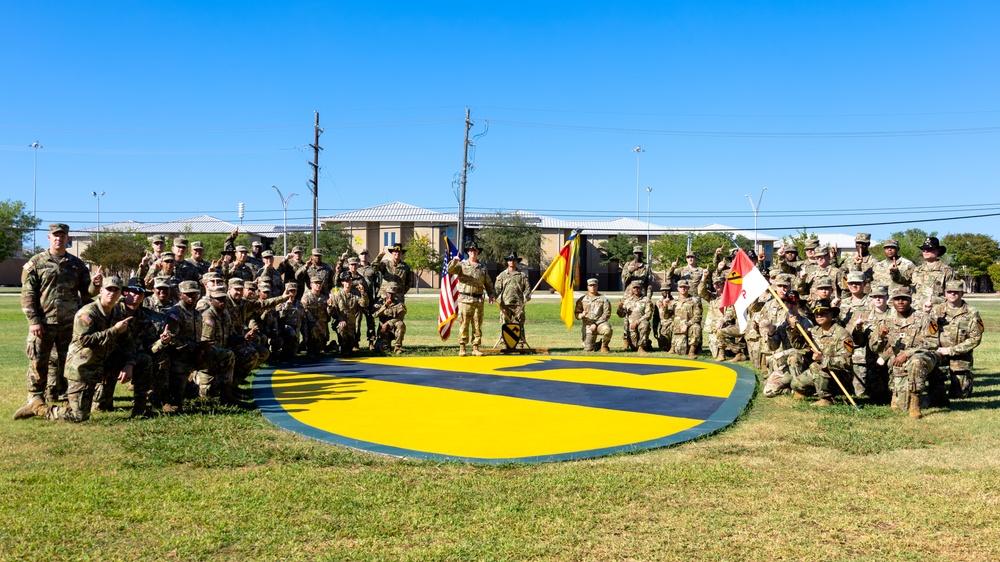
<point>202,224</point>
<point>392,212</point>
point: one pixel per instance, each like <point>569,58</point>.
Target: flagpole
<point>812,344</point>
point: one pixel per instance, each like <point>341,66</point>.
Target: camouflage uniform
<point>928,281</point>
<point>914,335</point>
<point>961,330</point>
<point>883,273</point>
<point>184,327</point>
<point>273,278</point>
<point>789,350</point>
<point>292,321</point>
<point>474,286</point>
<point>687,325</point>
<point>638,314</point>
<point>690,273</point>
<point>324,271</point>
<point>133,348</point>
<point>836,346</point>
<point>394,275</point>
<point>720,324</point>
<point>872,377</point>
<point>250,354</point>
<point>346,306</point>
<point>52,290</point>
<point>512,294</point>
<point>637,270</point>
<point>318,312</point>
<point>594,310</point>
<point>372,281</point>
<point>664,324</point>
<point>199,264</point>
<point>392,327</point>
<point>355,277</point>
<point>219,336</point>
<point>772,314</point>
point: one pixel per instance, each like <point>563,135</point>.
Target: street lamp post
<point>284,219</point>
<point>649,190</point>
<point>637,150</point>
<point>34,195</point>
<point>755,209</point>
<point>98,196</point>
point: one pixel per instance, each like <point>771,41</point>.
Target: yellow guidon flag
<point>561,275</point>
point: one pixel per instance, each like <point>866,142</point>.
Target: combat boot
<point>461,350</point>
<point>642,351</point>
<point>823,402</point>
<point>915,412</point>
<point>28,410</point>
<point>625,345</point>
<point>398,351</point>
<point>740,357</point>
<point>798,395</point>
<point>475,351</point>
<point>605,349</point>
<point>140,409</point>
<point>692,352</point>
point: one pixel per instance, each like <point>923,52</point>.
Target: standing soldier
<point>292,319</point>
<point>513,292</point>
<point>372,281</point>
<point>929,278</point>
<point>215,374</point>
<point>853,308</point>
<point>691,271</point>
<point>184,269</point>
<point>823,268</point>
<point>159,245</point>
<point>290,265</point>
<point>182,334</point>
<point>392,326</point>
<point>664,319</point>
<point>395,273</point>
<point>163,268</point>
<point>907,341</point>
<point>832,360</point>
<point>256,258</point>
<point>270,274</point>
<point>637,310</point>
<point>961,330</point>
<point>353,273</point>
<point>894,271</point>
<point>94,335</point>
<point>240,268</point>
<point>53,284</point>
<point>318,311</point>
<point>687,321</point>
<point>474,285</point>
<point>347,304</point>
<point>316,268</point>
<point>594,310</point>
<point>862,261</point>
<point>637,270</point>
<point>860,326</point>
<point>197,258</point>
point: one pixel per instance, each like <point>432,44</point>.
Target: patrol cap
<point>252,285</point>
<point>58,227</point>
<point>774,272</point>
<point>291,286</point>
<point>136,286</point>
<point>592,281</point>
<point>217,293</point>
<point>188,287</point>
<point>822,250</point>
<point>242,249</point>
<point>167,256</point>
<point>161,282</point>
<point>879,291</point>
<point>363,252</point>
<point>900,293</point>
<point>823,305</point>
<point>112,281</point>
<point>353,261</point>
<point>783,279</point>
<point>264,287</point>
<point>159,239</point>
<point>256,243</point>
<point>318,279</point>
<point>181,242</point>
<point>212,276</point>
<point>235,282</point>
<point>296,249</point>
<point>636,249</point>
<point>316,252</point>
<point>955,285</point>
<point>811,243</point>
<point>267,254</point>
<point>690,254</point>
<point>683,283</point>
<point>862,238</point>
<point>635,284</point>
<point>856,277</point>
<point>389,290</point>
<point>196,245</point>
<point>823,282</point>
<point>890,243</point>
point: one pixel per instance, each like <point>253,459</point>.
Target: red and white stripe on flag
<point>448,298</point>
<point>744,285</point>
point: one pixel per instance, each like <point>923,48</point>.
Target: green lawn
<point>785,482</point>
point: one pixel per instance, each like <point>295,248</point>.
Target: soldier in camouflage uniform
<point>183,269</point>
<point>392,325</point>
<point>269,273</point>
<point>691,271</point>
<point>907,341</point>
<point>788,348</point>
<point>513,292</point>
<point>832,360</point>
<point>210,281</point>
<point>637,270</point>
<point>853,307</point>
<point>394,272</point>
<point>961,331</point>
<point>218,337</point>
<point>94,335</point>
<point>256,258</point>
<point>159,245</point>
<point>316,268</point>
<point>663,325</point>
<point>474,286</point>
<point>182,335</point>
<point>346,305</point>
<point>54,284</point>
<point>862,261</point>
<point>165,268</point>
<point>860,324</point>
<point>771,315</point>
<point>349,267</point>
<point>823,268</point>
<point>822,289</point>
<point>894,271</point>
<point>250,353</point>
<point>687,321</point>
<point>637,310</point>
<point>318,313</point>
<point>720,323</point>
<point>268,323</point>
<point>239,268</point>
<point>197,258</point>
<point>372,281</point>
<point>594,310</point>
<point>292,318</point>
<point>929,278</point>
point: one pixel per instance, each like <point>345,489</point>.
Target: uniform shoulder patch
<point>933,327</point>
<point>209,321</point>
<point>85,318</point>
<point>979,324</point>
<point>849,344</point>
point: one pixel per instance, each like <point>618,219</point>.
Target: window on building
<point>388,239</point>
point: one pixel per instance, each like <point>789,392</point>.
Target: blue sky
<point>848,112</point>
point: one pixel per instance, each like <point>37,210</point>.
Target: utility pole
<point>314,183</point>
<point>465,169</point>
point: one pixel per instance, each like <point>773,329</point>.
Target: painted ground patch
<point>498,409</point>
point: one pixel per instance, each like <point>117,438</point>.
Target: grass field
<point>786,482</point>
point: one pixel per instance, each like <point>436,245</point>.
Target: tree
<point>503,233</point>
<point>333,240</point>
<point>117,253</point>
<point>971,254</point>
<point>617,248</point>
<point>15,225</point>
<point>420,256</point>
<point>669,248</point>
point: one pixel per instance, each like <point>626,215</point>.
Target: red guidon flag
<point>743,285</point>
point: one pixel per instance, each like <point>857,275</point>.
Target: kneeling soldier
<point>832,360</point>
<point>594,310</point>
<point>907,341</point>
<point>392,328</point>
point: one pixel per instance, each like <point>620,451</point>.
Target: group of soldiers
<point>185,327</point>
<point>887,330</point>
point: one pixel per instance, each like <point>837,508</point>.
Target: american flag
<point>448,300</point>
